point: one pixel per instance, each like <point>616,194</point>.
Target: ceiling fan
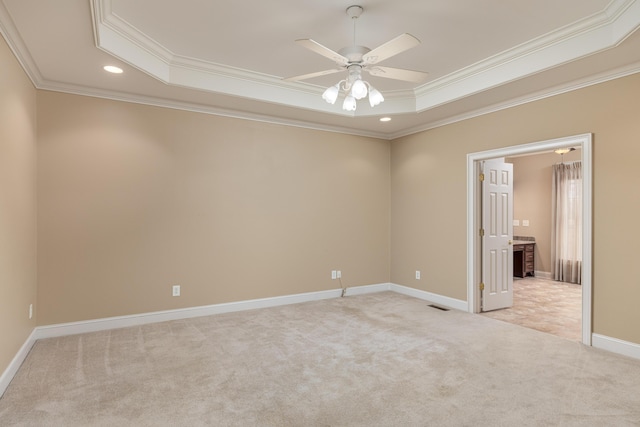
<point>355,59</point>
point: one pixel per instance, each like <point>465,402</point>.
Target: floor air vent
<point>439,308</point>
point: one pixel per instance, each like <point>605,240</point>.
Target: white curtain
<point>566,225</point>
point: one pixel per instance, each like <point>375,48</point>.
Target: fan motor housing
<point>354,53</point>
<point>355,11</point>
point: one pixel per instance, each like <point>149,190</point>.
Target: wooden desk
<point>523,258</point>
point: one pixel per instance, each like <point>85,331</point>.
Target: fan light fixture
<point>564,150</point>
<point>354,88</point>
<point>354,59</point>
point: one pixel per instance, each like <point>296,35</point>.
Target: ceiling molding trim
<point>598,32</point>
<point>595,33</point>
<point>17,46</point>
<point>192,107</point>
<point>557,90</point>
<point>626,18</point>
<point>120,39</point>
<point>116,23</point>
<point>112,35</point>
<point>617,22</point>
<point>197,108</point>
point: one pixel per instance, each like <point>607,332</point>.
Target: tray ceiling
<point>229,58</point>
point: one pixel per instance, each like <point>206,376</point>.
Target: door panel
<point>497,220</point>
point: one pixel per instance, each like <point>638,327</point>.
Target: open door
<point>497,235</point>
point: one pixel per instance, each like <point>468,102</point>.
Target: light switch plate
<point>516,222</point>
<point>525,222</point>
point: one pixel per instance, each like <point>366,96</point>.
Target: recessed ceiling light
<point>113,69</point>
<point>385,119</point>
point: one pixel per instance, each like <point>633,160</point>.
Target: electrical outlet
<point>417,274</point>
<point>30,311</point>
<point>334,274</point>
<point>339,274</point>
<point>176,290</point>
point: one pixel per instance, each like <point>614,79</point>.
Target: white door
<point>497,225</point>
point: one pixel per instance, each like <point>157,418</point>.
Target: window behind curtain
<point>566,243</point>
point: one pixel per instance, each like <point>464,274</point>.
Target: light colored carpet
<point>545,305</point>
<point>372,360</point>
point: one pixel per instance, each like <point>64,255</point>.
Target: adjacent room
<point>545,300</point>
<point>266,213</point>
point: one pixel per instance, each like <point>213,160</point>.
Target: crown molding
<point>198,108</point>
<point>532,97</point>
<point>117,37</point>
<point>595,33</point>
<point>18,47</point>
<point>613,25</point>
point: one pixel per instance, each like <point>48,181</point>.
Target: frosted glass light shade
<point>331,94</point>
<point>375,97</point>
<point>359,89</point>
<point>349,103</point>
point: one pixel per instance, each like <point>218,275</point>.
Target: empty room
<point>287,213</point>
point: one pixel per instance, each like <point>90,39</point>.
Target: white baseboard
<point>368,289</point>
<point>95,325</point>
<point>606,343</point>
<point>615,345</point>
<point>15,364</point>
<point>63,329</point>
<point>434,298</point>
<point>544,275</point>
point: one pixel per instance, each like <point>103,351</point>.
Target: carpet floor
<point>372,360</point>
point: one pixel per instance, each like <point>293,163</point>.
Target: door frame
<point>584,141</point>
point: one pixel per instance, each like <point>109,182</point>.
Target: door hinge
<point>482,286</point>
<point>481,177</point>
<point>482,232</point>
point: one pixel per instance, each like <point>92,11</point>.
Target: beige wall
<point>428,176</point>
<point>134,199</point>
<point>17,205</point>
<point>532,176</point>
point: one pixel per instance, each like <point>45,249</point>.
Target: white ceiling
<point>229,58</point>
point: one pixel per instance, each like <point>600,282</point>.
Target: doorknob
<point>510,242</point>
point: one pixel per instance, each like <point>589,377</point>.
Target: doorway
<point>473,218</point>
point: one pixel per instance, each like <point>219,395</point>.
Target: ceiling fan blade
<point>316,47</point>
<point>393,47</point>
<point>398,74</point>
<point>312,75</point>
